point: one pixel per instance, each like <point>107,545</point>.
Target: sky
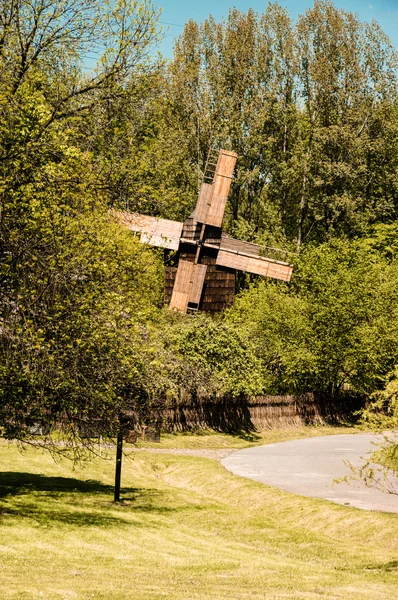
<point>175,13</point>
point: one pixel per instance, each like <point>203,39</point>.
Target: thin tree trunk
<point>303,205</point>
<point>303,199</point>
<point>118,470</point>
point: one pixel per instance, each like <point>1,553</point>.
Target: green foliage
<point>352,308</point>
<point>76,291</point>
<point>277,324</point>
<point>310,107</point>
<point>210,357</point>
<point>382,412</point>
<point>335,328</point>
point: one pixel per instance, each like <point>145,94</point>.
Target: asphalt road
<point>309,467</point>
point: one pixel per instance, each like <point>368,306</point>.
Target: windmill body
<point>208,259</point>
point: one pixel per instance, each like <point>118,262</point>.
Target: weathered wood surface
<point>182,285</point>
<point>191,229</point>
<point>198,279</point>
<point>261,412</point>
<point>257,265</point>
<point>220,187</point>
<point>219,283</point>
<point>228,243</point>
<point>188,285</point>
<point>204,202</point>
<point>162,233</point>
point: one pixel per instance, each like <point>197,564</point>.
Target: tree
<point>209,357</point>
<point>73,339</point>
<point>310,107</point>
<point>348,83</point>
<point>335,328</point>
<point>74,47</point>
<point>76,291</point>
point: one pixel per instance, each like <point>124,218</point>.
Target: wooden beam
<point>198,279</point>
<point>182,286</point>
<point>221,185</point>
<point>162,233</point>
<point>188,285</point>
<point>203,203</point>
<point>257,265</point>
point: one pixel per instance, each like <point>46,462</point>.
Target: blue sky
<point>178,12</point>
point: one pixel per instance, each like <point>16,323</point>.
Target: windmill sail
<point>258,265</point>
<point>245,256</point>
<point>188,285</point>
<point>213,196</point>
<point>198,280</point>
<point>162,233</point>
<point>207,258</point>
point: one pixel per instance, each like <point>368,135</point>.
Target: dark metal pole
<point>118,470</point>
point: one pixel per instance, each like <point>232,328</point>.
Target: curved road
<point>309,467</point>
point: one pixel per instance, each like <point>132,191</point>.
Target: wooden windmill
<point>208,259</point>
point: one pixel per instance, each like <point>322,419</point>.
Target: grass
<point>211,440</point>
<point>187,530</point>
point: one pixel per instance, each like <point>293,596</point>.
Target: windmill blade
<point>188,285</point>
<point>198,280</point>
<point>155,232</point>
<point>203,203</point>
<point>213,196</point>
<point>221,185</point>
<point>259,265</point>
<point>245,256</point>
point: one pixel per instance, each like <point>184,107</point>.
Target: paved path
<point>309,467</point>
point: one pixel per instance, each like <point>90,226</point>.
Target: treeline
<point>310,107</point>
<point>90,119</point>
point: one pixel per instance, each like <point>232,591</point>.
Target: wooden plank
<point>134,221</point>
<point>154,231</point>
<point>198,279</point>
<point>182,286</point>
<point>226,163</point>
<point>261,266</point>
<point>283,272</point>
<point>221,185</point>
<point>258,267</point>
<point>179,302</point>
<point>203,203</point>
<point>232,260</point>
<point>255,264</point>
<point>164,234</point>
<point>228,243</point>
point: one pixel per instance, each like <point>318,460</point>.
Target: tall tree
<point>310,107</point>
<point>75,291</point>
<point>348,84</point>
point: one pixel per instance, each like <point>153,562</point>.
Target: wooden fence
<point>259,413</point>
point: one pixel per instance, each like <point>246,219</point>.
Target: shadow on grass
<point>14,483</point>
<point>389,566</point>
<point>84,502</point>
<point>247,436</point>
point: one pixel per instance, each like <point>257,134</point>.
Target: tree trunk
<point>118,470</point>
<point>301,213</point>
<point>303,199</point>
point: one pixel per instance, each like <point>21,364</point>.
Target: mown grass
<point>212,440</point>
<point>187,529</point>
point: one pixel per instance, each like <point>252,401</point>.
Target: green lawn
<point>187,529</point>
<point>218,441</point>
